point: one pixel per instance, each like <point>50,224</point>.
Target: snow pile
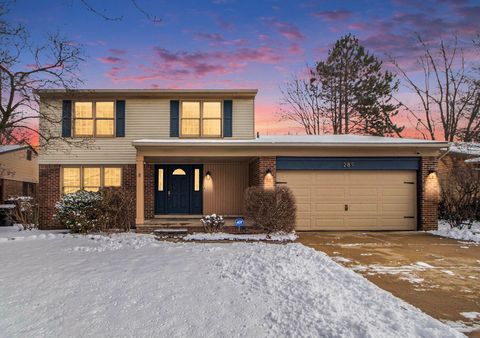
<point>222,236</point>
<point>465,234</point>
<point>310,295</point>
<point>149,288</point>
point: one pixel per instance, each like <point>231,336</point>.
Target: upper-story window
<point>94,118</point>
<point>201,119</point>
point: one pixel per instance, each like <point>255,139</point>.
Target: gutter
<point>290,144</point>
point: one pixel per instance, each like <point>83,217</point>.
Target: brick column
<point>48,194</point>
<point>257,170</point>
<point>149,200</point>
<point>429,197</point>
<point>140,206</point>
<point>129,184</point>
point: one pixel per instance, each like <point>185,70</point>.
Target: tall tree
<point>25,68</point>
<point>350,91</point>
<point>448,92</point>
<point>357,90</point>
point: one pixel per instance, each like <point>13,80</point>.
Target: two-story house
<point>187,153</point>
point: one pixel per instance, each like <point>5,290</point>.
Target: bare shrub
<point>117,206</point>
<point>271,210</point>
<point>25,212</point>
<point>460,192</point>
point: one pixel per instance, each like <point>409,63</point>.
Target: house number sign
<point>348,164</point>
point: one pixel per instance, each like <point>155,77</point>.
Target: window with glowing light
<point>94,119</point>
<point>201,119</point>
<point>90,178</point>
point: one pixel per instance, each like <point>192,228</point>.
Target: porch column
<point>140,214</point>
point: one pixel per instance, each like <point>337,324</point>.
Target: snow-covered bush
<point>213,223</point>
<point>25,213</point>
<point>271,210</point>
<point>79,211</point>
<point>110,209</point>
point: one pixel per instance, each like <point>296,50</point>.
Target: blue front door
<point>178,189</point>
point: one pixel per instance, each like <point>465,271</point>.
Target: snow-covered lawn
<point>465,234</point>
<point>133,285</point>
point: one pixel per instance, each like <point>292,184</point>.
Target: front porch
<point>174,192</point>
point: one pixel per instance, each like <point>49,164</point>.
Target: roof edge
<point>147,143</point>
<point>149,92</point>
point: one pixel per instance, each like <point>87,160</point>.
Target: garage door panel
<point>362,208</point>
<point>327,208</point>
<point>333,223</point>
<point>377,200</point>
<point>335,178</point>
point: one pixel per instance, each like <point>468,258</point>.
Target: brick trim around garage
<point>429,194</point>
<point>257,170</point>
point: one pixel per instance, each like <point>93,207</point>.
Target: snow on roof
<point>465,148</point>
<point>295,140</point>
<point>11,147</point>
<point>473,160</point>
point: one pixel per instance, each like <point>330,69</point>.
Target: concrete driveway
<point>441,276</point>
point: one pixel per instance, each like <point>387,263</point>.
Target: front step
<point>173,231</point>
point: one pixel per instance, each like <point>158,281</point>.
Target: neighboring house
<point>465,155</point>
<point>18,171</point>
<point>186,153</point>
<point>462,156</point>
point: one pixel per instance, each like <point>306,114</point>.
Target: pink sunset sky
<point>241,44</point>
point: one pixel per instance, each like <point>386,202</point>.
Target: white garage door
<point>353,200</point>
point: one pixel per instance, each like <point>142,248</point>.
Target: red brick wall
<point>12,188</point>
<point>149,191</point>
<point>129,183</point>
<point>258,168</point>
<point>49,191</point>
<point>429,196</point>
<point>48,194</point>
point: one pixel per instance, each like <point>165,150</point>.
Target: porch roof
<point>296,141</point>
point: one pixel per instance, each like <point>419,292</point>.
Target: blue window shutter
<point>67,118</point>
<point>227,118</point>
<point>120,118</point>
<point>174,118</point>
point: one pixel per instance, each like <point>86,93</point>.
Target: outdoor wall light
<point>208,176</point>
<point>431,171</point>
<point>268,172</point>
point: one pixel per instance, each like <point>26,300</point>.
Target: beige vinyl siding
<point>145,118</point>
<point>224,194</point>
<point>15,166</point>
<point>243,119</point>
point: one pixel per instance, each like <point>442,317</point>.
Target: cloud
<point>339,14</point>
<point>288,30</point>
<point>110,60</point>
<point>117,52</point>
<point>180,65</point>
<point>216,39</point>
